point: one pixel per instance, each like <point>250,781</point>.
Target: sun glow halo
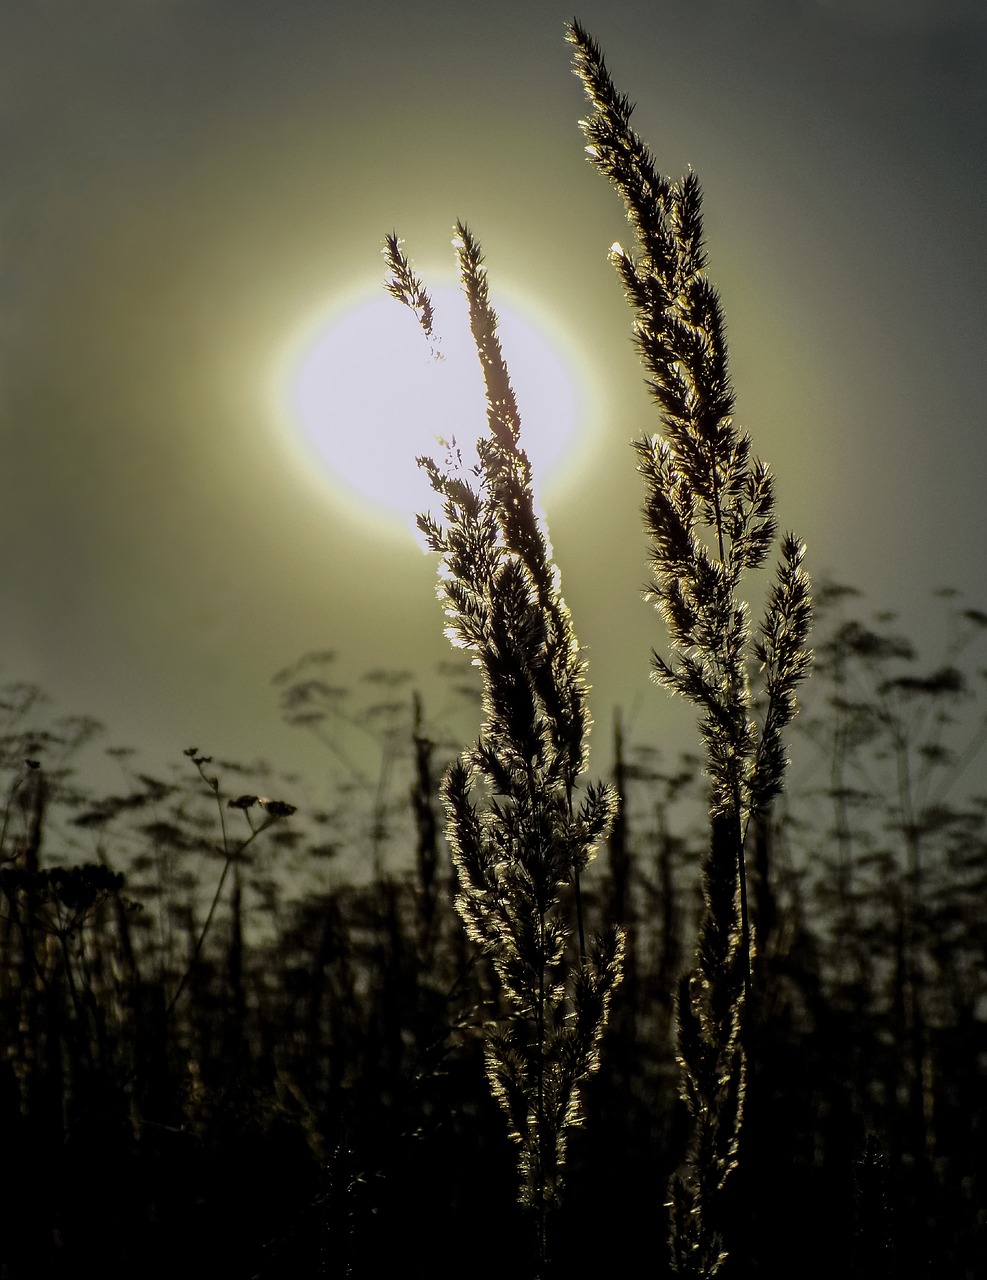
<point>369,397</point>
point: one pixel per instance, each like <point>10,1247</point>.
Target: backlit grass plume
<point>520,838</point>
<point>709,514</point>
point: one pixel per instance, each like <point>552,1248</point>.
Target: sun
<point>368,397</point>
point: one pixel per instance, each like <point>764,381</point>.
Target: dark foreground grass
<point>314,1103</point>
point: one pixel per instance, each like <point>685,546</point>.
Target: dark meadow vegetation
<point>292,1083</point>
<point>707,1014</point>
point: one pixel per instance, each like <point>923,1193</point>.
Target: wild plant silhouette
<point>709,511</point>
<point>528,841</point>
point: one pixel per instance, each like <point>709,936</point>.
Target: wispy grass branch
<point>709,512</point>
<point>520,835</point>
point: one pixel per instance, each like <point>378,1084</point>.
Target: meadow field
<point>466,1011</point>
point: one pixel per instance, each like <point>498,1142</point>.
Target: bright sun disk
<point>369,397</point>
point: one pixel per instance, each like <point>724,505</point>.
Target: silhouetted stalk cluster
<point>519,838</point>
<point>709,513</point>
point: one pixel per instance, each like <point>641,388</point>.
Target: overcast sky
<point>186,182</point>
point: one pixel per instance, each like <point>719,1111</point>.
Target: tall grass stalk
<point>708,511</point>
<point>520,836</point>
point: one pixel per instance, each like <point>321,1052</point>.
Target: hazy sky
<point>185,183</point>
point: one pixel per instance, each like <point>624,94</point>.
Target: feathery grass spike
<point>708,511</point>
<point>520,838</point>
